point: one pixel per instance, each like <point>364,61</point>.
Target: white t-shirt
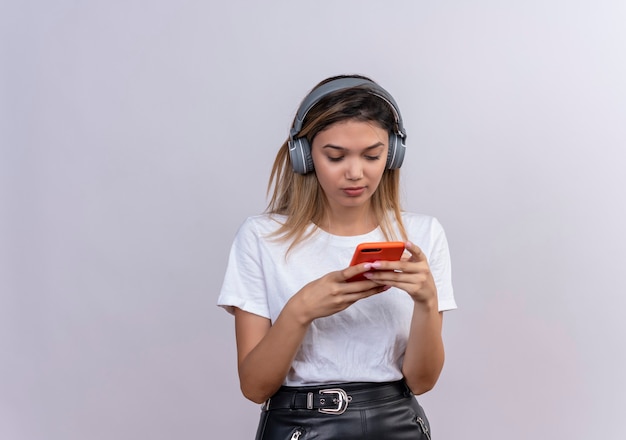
<point>363,343</point>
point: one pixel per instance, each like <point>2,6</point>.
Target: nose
<point>354,169</point>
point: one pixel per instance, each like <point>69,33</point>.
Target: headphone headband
<point>340,84</point>
<point>299,148</point>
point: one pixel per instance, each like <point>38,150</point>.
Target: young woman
<point>329,357</point>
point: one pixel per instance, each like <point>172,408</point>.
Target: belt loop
<point>309,400</point>
<point>293,400</point>
<point>407,390</point>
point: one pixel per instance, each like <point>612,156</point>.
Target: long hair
<point>301,199</point>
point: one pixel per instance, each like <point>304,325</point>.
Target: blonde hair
<point>301,199</point>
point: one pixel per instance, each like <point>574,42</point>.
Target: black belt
<point>334,399</point>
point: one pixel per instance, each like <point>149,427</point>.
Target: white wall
<point>136,136</point>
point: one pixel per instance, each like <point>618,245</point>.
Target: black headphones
<point>299,148</point>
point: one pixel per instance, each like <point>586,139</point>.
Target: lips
<point>354,191</point>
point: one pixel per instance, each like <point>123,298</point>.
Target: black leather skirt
<point>344,411</point>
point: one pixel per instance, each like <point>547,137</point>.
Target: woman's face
<point>350,158</point>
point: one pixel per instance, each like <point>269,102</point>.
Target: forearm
<point>424,357</point>
<point>265,367</point>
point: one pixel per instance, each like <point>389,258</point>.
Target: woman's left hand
<point>411,274</point>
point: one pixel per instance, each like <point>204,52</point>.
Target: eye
<point>372,157</point>
<point>335,159</point>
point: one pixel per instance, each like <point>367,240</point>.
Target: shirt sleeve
<point>441,267</point>
<point>244,286</point>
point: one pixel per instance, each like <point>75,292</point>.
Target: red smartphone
<point>377,251</point>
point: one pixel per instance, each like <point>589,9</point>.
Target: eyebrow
<point>337,147</point>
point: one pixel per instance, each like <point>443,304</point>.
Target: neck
<point>353,221</point>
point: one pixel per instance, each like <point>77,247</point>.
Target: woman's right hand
<point>332,293</point>
<point>266,350</point>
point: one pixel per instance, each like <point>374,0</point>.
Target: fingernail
<point>367,275</point>
<point>375,265</point>
<point>368,266</point>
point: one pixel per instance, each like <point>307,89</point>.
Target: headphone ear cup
<point>395,156</point>
<point>300,154</point>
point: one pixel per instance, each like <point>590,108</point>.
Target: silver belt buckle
<point>341,400</point>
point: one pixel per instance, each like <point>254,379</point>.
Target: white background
<point>136,136</point>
